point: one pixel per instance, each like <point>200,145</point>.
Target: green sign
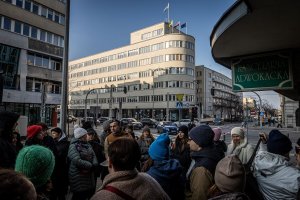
<point>269,72</point>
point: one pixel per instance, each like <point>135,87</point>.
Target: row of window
<point>44,61</point>
<point>152,34</point>
<point>146,49</point>
<point>142,62</point>
<point>39,9</point>
<point>134,99</point>
<point>30,31</point>
<point>138,75</point>
<point>36,85</point>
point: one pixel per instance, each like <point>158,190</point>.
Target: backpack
<point>251,188</point>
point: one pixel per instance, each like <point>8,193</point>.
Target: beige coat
<point>200,181</point>
<point>139,186</point>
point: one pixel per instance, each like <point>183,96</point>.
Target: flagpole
<point>185,27</point>
<point>168,12</point>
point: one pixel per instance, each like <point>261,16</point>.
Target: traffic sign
<point>262,114</point>
<point>179,104</point>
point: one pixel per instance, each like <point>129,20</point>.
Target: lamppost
<point>197,103</point>
<point>85,103</point>
<point>152,72</point>
<point>260,117</point>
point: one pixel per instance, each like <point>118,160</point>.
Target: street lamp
<point>85,103</point>
<point>153,71</point>
<point>199,101</point>
<point>260,117</point>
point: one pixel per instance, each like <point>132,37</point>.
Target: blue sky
<point>101,25</point>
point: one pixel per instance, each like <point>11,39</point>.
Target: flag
<point>177,24</point>
<point>171,23</point>
<point>183,25</point>
<point>166,8</point>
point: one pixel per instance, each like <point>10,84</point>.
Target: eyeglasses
<point>297,149</point>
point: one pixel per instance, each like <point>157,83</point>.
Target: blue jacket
<point>168,173</point>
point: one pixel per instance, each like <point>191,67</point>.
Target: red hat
<point>33,130</point>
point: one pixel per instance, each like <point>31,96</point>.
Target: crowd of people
<point>48,165</point>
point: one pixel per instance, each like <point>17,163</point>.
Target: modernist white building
<point>31,57</point>
<point>157,69</point>
<point>214,91</point>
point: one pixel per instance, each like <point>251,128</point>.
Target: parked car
<point>103,119</point>
<point>149,122</point>
<point>183,122</point>
<point>167,126</point>
<point>218,121</point>
<point>91,120</point>
<point>133,122</point>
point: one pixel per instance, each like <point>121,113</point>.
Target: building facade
<point>31,57</point>
<point>215,92</point>
<point>288,108</point>
<point>156,68</point>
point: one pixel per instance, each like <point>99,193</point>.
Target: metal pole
<point>65,78</point>
<point>260,117</point>
<point>153,98</point>
<point>110,102</point>
<point>168,109</point>
<point>85,104</point>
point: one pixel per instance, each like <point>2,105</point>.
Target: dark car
<point>167,127</point>
<point>149,122</point>
<point>131,121</point>
<point>218,121</point>
<point>103,119</point>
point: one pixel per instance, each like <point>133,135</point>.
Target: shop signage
<point>269,72</point>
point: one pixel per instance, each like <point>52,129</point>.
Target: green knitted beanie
<point>36,163</point>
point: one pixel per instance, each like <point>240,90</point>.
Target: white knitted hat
<point>238,131</point>
<point>79,132</point>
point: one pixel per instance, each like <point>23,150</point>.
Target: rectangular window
<point>50,14</point>
<point>62,19</point>
<point>33,32</point>
<point>55,41</point>
<point>37,86</point>
<point>19,3</point>
<point>26,29</point>
<point>61,42</point>
<point>46,62</point>
<point>38,61</point>
<point>44,12</point>
<point>30,59</point>
<point>18,27</point>
<point>35,8</point>
<point>43,36</point>
<point>28,5</point>
<point>49,37</point>
<point>7,23</point>
<point>56,17</point>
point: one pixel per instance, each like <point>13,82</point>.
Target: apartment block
<point>157,69</point>
<point>31,57</point>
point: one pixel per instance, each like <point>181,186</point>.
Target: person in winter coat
<point>167,172</point>
<point>82,164</point>
<point>48,141</point>
<point>123,180</point>
<point>220,144</point>
<point>144,142</point>
<point>276,178</point>
<point>230,180</point>
<point>60,178</point>
<point>37,164</point>
<point>205,157</point>
<point>180,148</point>
<point>94,141</point>
<point>239,145</point>
<point>8,123</point>
<point>34,136</point>
<point>297,153</point>
<point>15,186</point>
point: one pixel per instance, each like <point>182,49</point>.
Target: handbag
<point>251,188</point>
